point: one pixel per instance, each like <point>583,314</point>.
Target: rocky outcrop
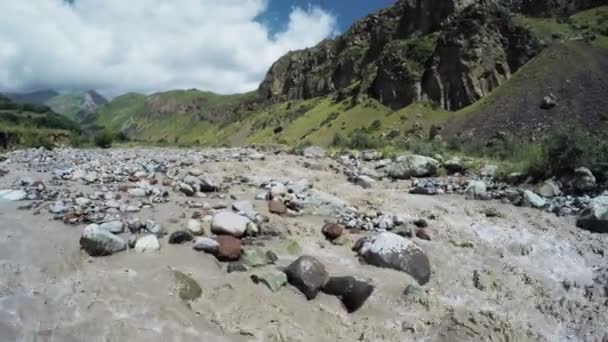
<point>475,54</point>
<point>395,57</point>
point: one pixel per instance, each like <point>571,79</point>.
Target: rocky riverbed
<point>260,245</point>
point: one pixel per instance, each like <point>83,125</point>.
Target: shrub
<point>359,140</point>
<point>104,139</point>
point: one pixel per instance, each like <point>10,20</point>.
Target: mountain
<point>37,97</point>
<point>469,69</point>
<point>33,125</point>
<point>77,105</point>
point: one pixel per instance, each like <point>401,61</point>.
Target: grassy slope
<point>318,120</point>
<point>67,104</point>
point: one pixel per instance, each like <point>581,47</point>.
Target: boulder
<point>99,242</point>
<point>595,217</point>
<point>390,250</point>
<point>308,275</point>
<point>186,189</point>
<point>476,189</point>
<point>115,227</point>
<point>332,231</point>
<point>531,199</point>
<point>409,166</point>
<point>229,223</point>
<point>148,243</point>
<point>208,185</point>
<point>180,236</point>
<point>584,180</point>
<point>454,165</point>
<point>206,245</point>
<point>366,182</point>
<point>352,292</point>
<point>229,248</point>
<point>314,152</point>
<point>550,188</point>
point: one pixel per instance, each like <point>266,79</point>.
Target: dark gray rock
<point>352,292</point>
<point>308,275</point>
<point>180,237</point>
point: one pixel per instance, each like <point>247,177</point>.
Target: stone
<point>314,152</point>
<point>137,192</point>
<point>148,243</point>
<point>254,257</point>
<point>423,234</point>
<point>195,172</point>
<point>332,231</point>
<point>278,190</point>
<point>58,208</point>
<point>229,248</point>
<point>186,189</point>
<point>272,257</point>
<point>243,206</point>
<point>584,180</point>
<point>548,102</point>
<point>595,216</point>
<point>476,189</point>
<point>549,189</point>
<point>236,266</point>
<point>154,228</point>
<point>12,195</point>
<point>342,240</point>
<point>83,202</point>
<point>352,292</point>
<point>453,165</point>
<point>208,185</point>
<point>195,227</point>
<point>187,288</point>
<point>390,250</point>
<point>229,223</point>
<point>115,227</point>
<point>276,206</point>
<point>364,181</point>
<point>274,280</point>
<point>308,275</point>
<point>98,242</point>
<point>135,225</point>
<point>207,245</point>
<point>531,199</point>
<point>180,236</point>
<point>409,166</point>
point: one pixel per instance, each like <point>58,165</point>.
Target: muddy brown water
<point>506,283</point>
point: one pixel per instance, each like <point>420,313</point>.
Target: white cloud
<point>146,45</point>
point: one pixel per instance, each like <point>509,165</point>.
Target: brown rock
<point>423,234</point>
<point>277,207</point>
<point>332,230</point>
<point>124,188</point>
<point>229,249</point>
<point>167,182</point>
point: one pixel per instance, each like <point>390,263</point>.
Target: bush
<point>104,139</point>
<point>360,141</point>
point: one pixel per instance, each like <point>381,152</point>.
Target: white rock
<point>154,228</point>
<point>195,227</point>
<point>206,244</point>
<point>83,201</point>
<point>148,243</point>
<point>137,192</point>
<point>13,195</point>
<point>243,206</point>
<point>227,222</point>
<point>278,190</point>
<point>533,200</point>
<point>58,208</point>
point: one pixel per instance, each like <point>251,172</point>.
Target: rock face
<point>379,54</point>
<point>390,250</point>
<point>99,242</point>
<point>412,166</point>
<point>475,54</point>
<point>595,217</point>
<point>308,275</point>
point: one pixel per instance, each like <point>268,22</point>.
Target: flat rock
<point>13,195</point>
<point>98,242</point>
<point>206,245</point>
<point>115,227</point>
<point>352,292</point>
<point>148,243</point>
<point>187,288</point>
<point>390,250</point>
<point>229,223</point>
<point>308,275</point>
<point>274,280</point>
<point>254,257</point>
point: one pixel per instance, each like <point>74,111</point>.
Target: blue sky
<point>345,11</point>
<point>117,46</point>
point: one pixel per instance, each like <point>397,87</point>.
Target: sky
<point>118,46</point>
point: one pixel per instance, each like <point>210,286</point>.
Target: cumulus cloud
<point>146,45</point>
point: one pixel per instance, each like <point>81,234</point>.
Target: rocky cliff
<point>449,51</point>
